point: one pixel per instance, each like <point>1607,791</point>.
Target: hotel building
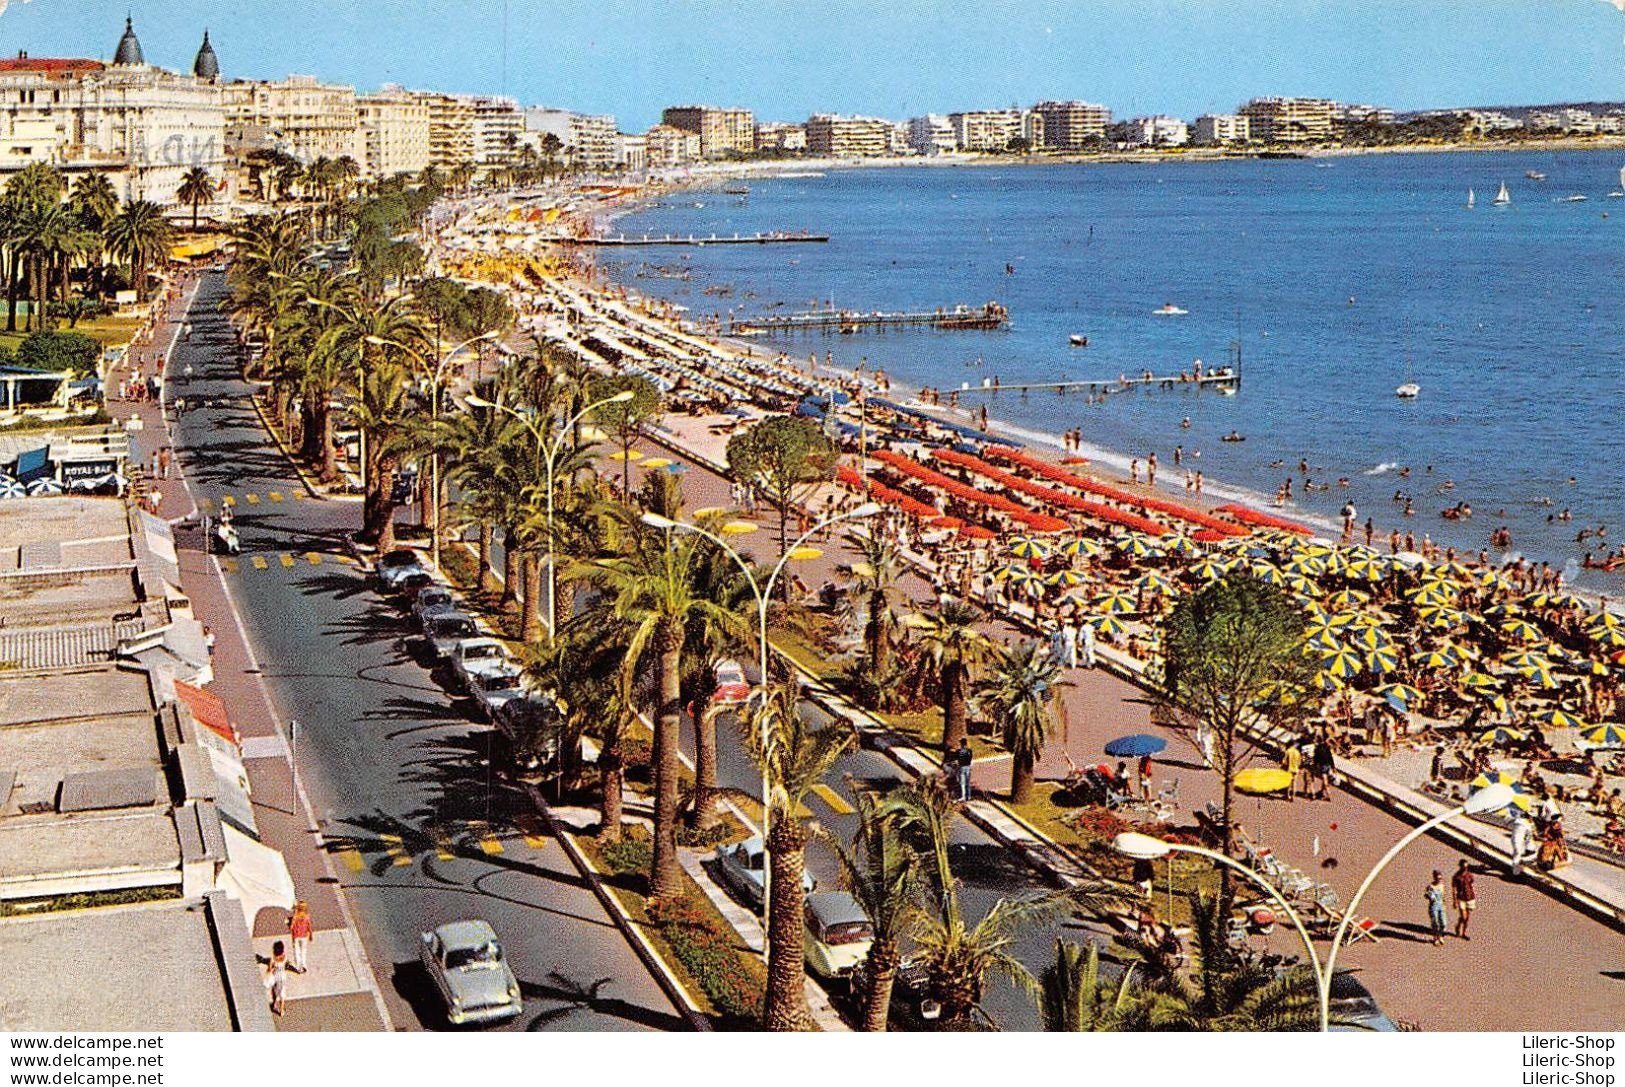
<point>722,132</point>
<point>834,136</point>
<point>1213,129</point>
<point>298,115</point>
<point>931,134</point>
<point>392,134</point>
<point>1289,120</point>
<point>1071,126</point>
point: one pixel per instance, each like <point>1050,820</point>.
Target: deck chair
<point>1330,905</point>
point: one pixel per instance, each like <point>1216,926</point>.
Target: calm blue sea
<point>1331,272</point>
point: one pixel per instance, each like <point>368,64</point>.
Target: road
<point>398,772</point>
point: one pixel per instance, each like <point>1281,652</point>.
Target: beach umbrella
<point>1456,571</point>
<point>1267,572</point>
<point>1263,781</point>
<point>1114,603</point>
<point>1365,570</point>
<point>1527,659</point>
<point>1496,702</point>
<point>1369,638</point>
<point>1349,598</point>
<point>626,454</point>
<point>1015,571</point>
<point>44,486</point>
<point>1109,625</point>
<point>1327,683</point>
<point>1313,550</point>
<point>1545,600</point>
<point>1602,620</point>
<point>1540,677</point>
<point>1307,566</point>
<point>1435,658</point>
<point>1139,547</point>
<point>1183,546</point>
<point>1478,681</point>
<point>1301,585</point>
<point>1025,547</point>
<point>1558,718</point>
<point>1603,736</point>
<point>1432,592</point>
<point>1502,735</point>
<point>1401,696</point>
<point>1323,641</point>
<point>1336,562</point>
<point>1082,547</point>
<point>1612,637</point>
<point>1211,569</point>
<point>1464,651</point>
<point>1342,663</point>
<point>11,488</point>
<point>1441,616</point>
<point>1500,777</point>
<point>1383,660</point>
<point>1133,747</point>
<point>1155,583</point>
<point>1274,693</point>
<point>1065,579</point>
<point>1522,629</point>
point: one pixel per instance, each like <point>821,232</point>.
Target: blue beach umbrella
<point>1133,747</point>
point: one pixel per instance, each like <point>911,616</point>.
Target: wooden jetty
<point>960,318</point>
<point>1224,378</point>
<point>621,240</point>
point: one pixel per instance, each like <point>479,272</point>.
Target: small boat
<point>1408,391</point>
<point>1469,197</point>
<point>1168,309</point>
<point>737,190</point>
<point>1078,341</point>
<point>1575,198</point>
<point>1503,197</point>
<point>1534,175</point>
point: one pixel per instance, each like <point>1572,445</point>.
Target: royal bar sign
<point>87,469</point>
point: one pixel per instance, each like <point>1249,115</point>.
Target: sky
<point>785,59</point>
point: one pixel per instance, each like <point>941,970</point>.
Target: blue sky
<point>895,59</point>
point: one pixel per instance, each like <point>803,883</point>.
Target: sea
<point>1336,278</point>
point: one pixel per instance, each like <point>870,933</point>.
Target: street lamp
<point>550,452</point>
<point>763,593</point>
<point>1144,847</point>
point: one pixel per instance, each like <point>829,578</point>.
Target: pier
<point>960,318</point>
<point>621,240</point>
<point>1225,379</point>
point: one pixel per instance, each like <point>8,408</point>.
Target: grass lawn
<point>108,331</point>
<point>798,649</point>
<point>924,727</point>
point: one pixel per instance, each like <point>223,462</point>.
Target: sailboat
<point>1503,197</point>
<point>1619,192</point>
<point>1469,198</point>
<point>1410,390</point>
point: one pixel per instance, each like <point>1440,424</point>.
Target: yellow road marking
<point>397,851</point>
<point>352,860</point>
<point>287,560</point>
<point>442,845</point>
<point>228,500</point>
<point>315,557</point>
<point>275,496</point>
<point>259,562</point>
<point>253,499</point>
<point>835,800</point>
<point>532,832</point>
<point>229,565</point>
<point>485,839</point>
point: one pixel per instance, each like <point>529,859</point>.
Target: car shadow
<point>574,996</point>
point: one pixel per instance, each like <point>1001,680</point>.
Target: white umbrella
<point>10,488</point>
<point>44,486</point>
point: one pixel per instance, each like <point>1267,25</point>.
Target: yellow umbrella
<point>626,454</point>
<point>1500,777</point>
<point>1559,718</point>
<point>1025,547</point>
<point>1154,583</point>
<point>1435,658</point>
<point>1342,663</point>
<point>1522,629</point>
<point>1370,638</point>
<point>1211,569</point>
<point>709,511</point>
<point>1082,547</point>
<point>1612,637</point>
<point>1114,603</point>
<point>1107,624</point>
<point>1366,570</point>
<point>1502,735</point>
<point>1183,546</point>
<point>1478,681</point>
<point>657,462</point>
<point>1527,659</point>
<point>1603,619</point>
<point>1438,615</point>
<point>1383,660</point>
<point>1263,781</point>
<point>1064,578</point>
<point>1349,598</point>
<point>1328,683</point>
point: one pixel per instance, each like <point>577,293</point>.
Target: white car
<point>495,689</point>
<point>445,631</point>
<point>476,655</point>
<point>433,599</point>
<point>741,866</point>
<point>473,979</point>
<point>838,934</point>
<point>397,564</point>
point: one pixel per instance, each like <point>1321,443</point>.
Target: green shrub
<point>59,351</point>
<point>704,839</point>
<point>632,855</point>
<point>711,956</point>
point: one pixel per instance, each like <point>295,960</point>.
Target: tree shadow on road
<point>589,997</point>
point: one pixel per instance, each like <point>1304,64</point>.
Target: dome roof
<point>129,49</point>
<point>207,65</point>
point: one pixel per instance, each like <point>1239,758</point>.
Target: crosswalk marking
<point>486,840</point>
<point>287,560</point>
<point>531,830</point>
<point>835,800</point>
<point>315,557</point>
<point>397,851</point>
<point>352,859</point>
<point>275,496</point>
<point>259,562</point>
<point>253,499</point>
<point>229,565</point>
<point>228,500</point>
<point>442,845</point>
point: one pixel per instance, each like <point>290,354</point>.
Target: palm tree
<point>196,189</point>
<point>878,570</point>
<point>882,873</point>
<point>472,439</point>
<point>952,644</point>
<point>385,412</point>
<point>1073,998</point>
<point>94,200</point>
<point>793,759</point>
<point>650,587</point>
<point>1019,693</point>
<point>138,233</point>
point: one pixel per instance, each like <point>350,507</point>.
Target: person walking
<point>962,759</point>
<point>1461,889</point>
<point>1145,775</point>
<point>276,977</point>
<point>1292,763</point>
<point>300,931</point>
<point>1433,895</point>
<point>1324,763</point>
<point>1522,833</point>
<point>1086,633</point>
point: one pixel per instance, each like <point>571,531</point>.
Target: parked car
<point>913,1006</point>
<point>396,564</point>
<point>740,867</point>
<point>443,630</point>
<point>1354,1003</point>
<point>431,600</point>
<point>731,686</point>
<point>525,721</point>
<point>465,961</point>
<point>495,689</point>
<point>409,584</point>
<point>473,655</point>
<point>838,934</point>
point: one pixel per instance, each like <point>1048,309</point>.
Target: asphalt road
<point>397,770</point>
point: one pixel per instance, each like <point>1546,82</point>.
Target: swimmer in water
<point>1185,423</point>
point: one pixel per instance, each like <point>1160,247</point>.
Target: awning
<point>209,710</point>
<point>255,875</point>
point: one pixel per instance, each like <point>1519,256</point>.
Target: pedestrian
<point>1151,470</point>
<point>1433,895</point>
<point>1134,470</point>
<point>300,930</point>
<point>1521,834</point>
<point>1145,774</point>
<point>1086,632</point>
<point>1461,889</point>
<point>163,462</point>
<point>1324,763</point>
<point>1292,763</point>
<point>962,763</point>
<point>208,640</point>
<point>1436,768</point>
<point>276,977</point>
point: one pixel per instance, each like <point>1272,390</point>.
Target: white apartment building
<point>667,146</point>
<point>142,126</point>
<point>451,129</point>
<point>1355,113</point>
<point>1159,131</point>
<point>1289,120</point>
<point>631,152</point>
<point>497,124</point>
<point>931,134</point>
<point>299,115</point>
<point>588,139</point>
<point>1072,125</point>
<point>1214,129</point>
<point>392,134</point>
<point>835,136</point>
<point>722,132</point>
<point>782,137</point>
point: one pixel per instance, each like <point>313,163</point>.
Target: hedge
<point>711,956</point>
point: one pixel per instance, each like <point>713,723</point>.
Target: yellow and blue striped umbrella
<point>1441,616</point>
<point>1603,736</point>
<point>1349,598</point>
<point>1025,547</point>
<point>1612,637</point>
<point>1083,547</point>
<point>1559,718</point>
<point>1479,681</point>
<point>1501,734</point>
<point>1064,579</point>
<point>1183,546</point>
<point>1368,637</point>
<point>1402,696</point>
<point>1603,620</point>
<point>1383,660</point>
<point>1365,570</point>
<point>1157,584</point>
<point>1523,630</point>
<point>1328,683</point>
<point>1016,574</point>
<point>1299,584</point>
<point>1540,677</point>
<point>1107,624</point>
<point>1115,603</point>
<point>1430,592</point>
<point>1527,659</point>
<point>1306,565</point>
<point>1500,777</point>
<point>1435,658</point>
<point>1342,662</point>
<point>1321,642</point>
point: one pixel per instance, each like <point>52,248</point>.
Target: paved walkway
<point>279,808</point>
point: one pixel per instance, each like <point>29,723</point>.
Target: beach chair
<point>1330,906</point>
<point>1168,795</point>
<point>1295,884</point>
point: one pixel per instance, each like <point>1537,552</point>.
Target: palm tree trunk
<point>954,726</point>
<point>666,881</point>
<point>610,779</point>
<point>13,288</point>
<point>384,504</point>
<point>511,574</point>
<point>876,637</point>
<point>1021,777</point>
<point>564,602</point>
<point>704,816</point>
<point>786,956</point>
<point>530,614</point>
<point>487,581</point>
<point>881,971</point>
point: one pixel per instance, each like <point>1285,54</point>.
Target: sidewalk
<point>342,994</point>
